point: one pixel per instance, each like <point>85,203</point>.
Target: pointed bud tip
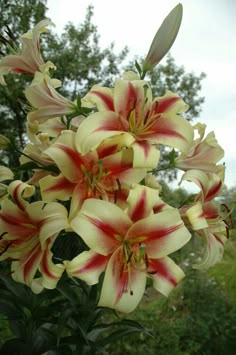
<point>164,38</point>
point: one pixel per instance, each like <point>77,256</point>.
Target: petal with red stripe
<point>123,286</point>
<point>165,274</point>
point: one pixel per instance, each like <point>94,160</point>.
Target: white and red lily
<point>47,102</point>
<point>209,184</point>
<point>203,155</point>
<point>29,60</point>
<point>205,216</point>
<point>129,108</point>
<point>129,245</point>
<point>28,231</point>
<point>90,175</point>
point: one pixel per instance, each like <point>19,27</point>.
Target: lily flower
<point>46,101</point>
<point>203,154</point>
<point>29,60</point>
<point>205,217</point>
<point>28,232</point>
<point>130,245</point>
<point>210,184</point>
<point>130,109</point>
<point>90,175</point>
<point>207,223</point>
<point>34,153</point>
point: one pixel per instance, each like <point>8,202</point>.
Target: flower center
<point>99,182</point>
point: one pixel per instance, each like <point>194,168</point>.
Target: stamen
<point>146,260</point>
<point>2,235</point>
<point>146,117</point>
<point>129,257</point>
<point>115,196</point>
<point>6,247</point>
<point>119,184</point>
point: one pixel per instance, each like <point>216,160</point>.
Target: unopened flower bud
<point>164,38</point>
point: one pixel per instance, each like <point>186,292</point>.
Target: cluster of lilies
<point>104,148</point>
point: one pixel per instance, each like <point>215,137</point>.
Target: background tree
<point>80,61</point>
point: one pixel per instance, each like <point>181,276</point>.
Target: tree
<point>81,63</point>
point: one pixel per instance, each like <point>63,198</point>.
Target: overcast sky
<point>206,42</point>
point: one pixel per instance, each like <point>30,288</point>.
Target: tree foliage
<point>80,61</point>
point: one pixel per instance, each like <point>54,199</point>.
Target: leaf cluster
<point>61,321</point>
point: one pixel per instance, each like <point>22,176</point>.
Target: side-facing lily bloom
<point>204,154</point>
<point>45,99</point>
<point>28,231</point>
<point>205,216</point>
<point>209,184</point>
<point>207,223</point>
<point>29,60</point>
<point>90,175</point>
<point>129,108</point>
<point>34,153</point>
<point>129,245</point>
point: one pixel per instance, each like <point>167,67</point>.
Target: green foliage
<point>225,271</point>
<point>197,319</point>
<point>61,321</point>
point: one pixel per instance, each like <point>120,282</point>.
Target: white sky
<point>206,42</point>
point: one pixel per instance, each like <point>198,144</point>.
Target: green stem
<point>162,169</point>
